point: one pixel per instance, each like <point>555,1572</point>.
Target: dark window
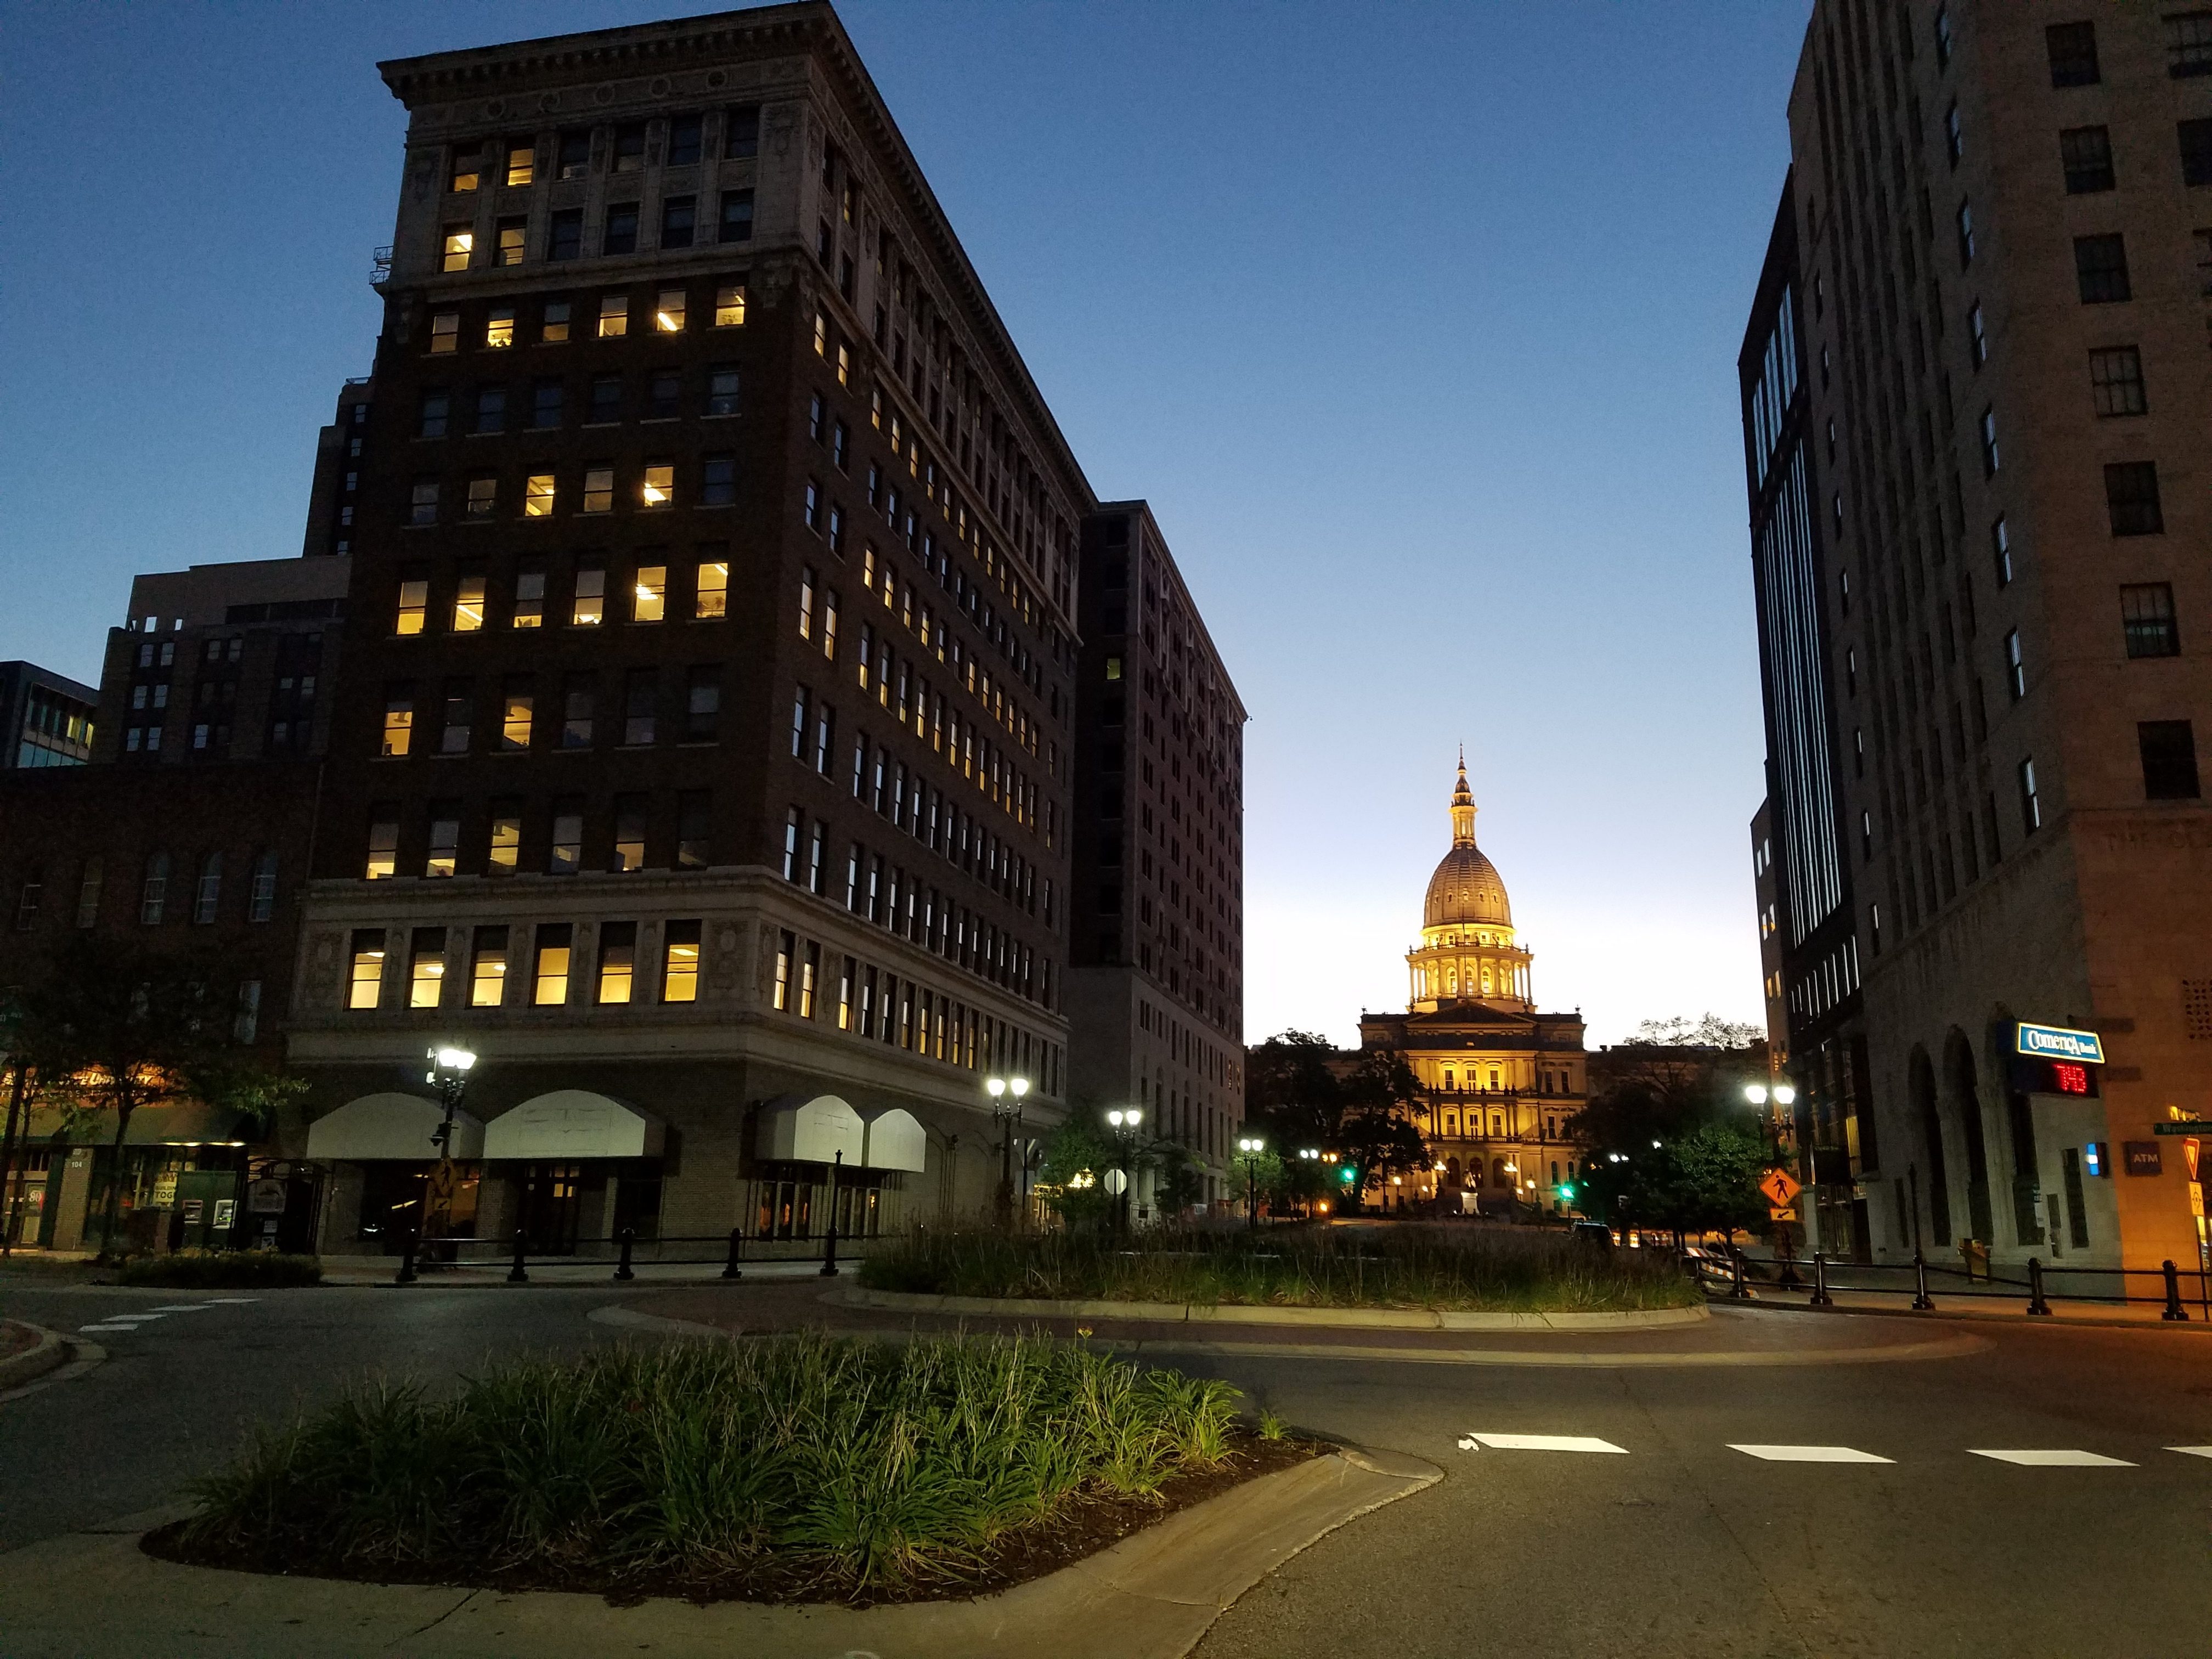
<point>564,239</point>
<point>718,480</point>
<point>737,215</point>
<point>630,148</point>
<point>693,820</point>
<point>2189,44</point>
<point>2072,49</point>
<point>741,131</point>
<point>576,712</point>
<point>722,389</point>
<point>2169,759</point>
<point>2195,151</point>
<point>606,399</point>
<point>2087,154</point>
<point>2100,264</point>
<point>703,704</point>
<point>631,813</point>
<point>2147,617</point>
<point>641,696</point>
<point>575,155</point>
<point>433,421</point>
<point>2115,381</point>
<point>622,229</point>
<point>664,394</point>
<point>491,409</point>
<point>2132,497</point>
<point>684,141</point>
<point>545,403</point>
<point>679,218</point>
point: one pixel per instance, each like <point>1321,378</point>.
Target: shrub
<point>857,1464</point>
<point>1455,1268</point>
<point>212,1270</point>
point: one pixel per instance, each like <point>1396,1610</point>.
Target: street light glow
<point>454,1060</point>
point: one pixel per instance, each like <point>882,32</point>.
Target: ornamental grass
<point>220,1270</point>
<point>1455,1269</point>
<point>828,1466</point>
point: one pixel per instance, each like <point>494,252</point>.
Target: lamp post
<point>1761,1095</point>
<point>1007,1094</point>
<point>1250,1147</point>
<point>449,1077</point>
<point>1309,1155</point>
<point>1124,1121</point>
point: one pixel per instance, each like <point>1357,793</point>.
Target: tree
<point>1374,1131</point>
<point>1077,1155</point>
<point>1178,1182</point>
<point>114,1026</point>
<point>1301,1091</point>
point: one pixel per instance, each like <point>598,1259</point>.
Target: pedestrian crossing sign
<point>1780,1189</point>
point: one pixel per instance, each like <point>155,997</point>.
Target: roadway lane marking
<point>1809,1455</point>
<point>2192,1451</point>
<point>2036,1457</point>
<point>182,1307</point>
<point>103,1329</point>
<point>228,1301</point>
<point>1570,1443</point>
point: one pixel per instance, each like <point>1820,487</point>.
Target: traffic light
<point>1567,1193</point>
<point>1347,1174</point>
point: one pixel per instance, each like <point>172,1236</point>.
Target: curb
<point>51,1353</point>
<point>1152,1595</point>
<point>2057,1322</point>
<point>1181,1313</point>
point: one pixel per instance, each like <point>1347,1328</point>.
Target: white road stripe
<point>182,1307</point>
<point>130,1319</point>
<point>2192,1451</point>
<point>1809,1455</point>
<point>1573,1443</point>
<point>103,1329</point>
<point>229,1301</point>
<point>2037,1457</point>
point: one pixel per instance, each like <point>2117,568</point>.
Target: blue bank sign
<point>2057,1042</point>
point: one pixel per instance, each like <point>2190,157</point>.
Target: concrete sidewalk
<point>98,1595</point>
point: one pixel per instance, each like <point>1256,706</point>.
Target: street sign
<point>1780,1189</point>
<point>1782,1212</point>
<point>2058,1042</point>
<point>1116,1183</point>
<point>2186,1126</point>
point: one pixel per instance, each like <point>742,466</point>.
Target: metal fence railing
<point>1730,1275</point>
<point>623,1252</point>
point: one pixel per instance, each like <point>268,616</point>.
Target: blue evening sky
<point>1416,323</point>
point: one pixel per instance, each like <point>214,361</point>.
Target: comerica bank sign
<point>2057,1042</point>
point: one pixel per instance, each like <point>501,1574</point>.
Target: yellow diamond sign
<point>1779,1188</point>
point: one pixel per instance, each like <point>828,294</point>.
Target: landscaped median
<point>1410,1279</point>
<point>786,1468</point>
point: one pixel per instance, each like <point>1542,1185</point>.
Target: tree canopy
<point>1302,1091</point>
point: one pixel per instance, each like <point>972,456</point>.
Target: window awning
<point>187,1123</point>
<point>816,1129</point>
<point>391,1126</point>
<point>569,1124</point>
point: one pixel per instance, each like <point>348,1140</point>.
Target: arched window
<point>1451,1171</point>
<point>87,894</point>
<point>261,902</point>
<point>208,897</point>
<point>1497,1173</point>
<point>153,895</point>
<point>1555,1172</point>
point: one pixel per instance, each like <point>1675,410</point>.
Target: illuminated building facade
<point>1501,1081</point>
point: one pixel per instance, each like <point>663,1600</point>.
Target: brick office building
<point>1156,979</point>
<point>1975,407</point>
<point>703,758</point>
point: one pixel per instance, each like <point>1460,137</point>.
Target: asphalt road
<point>1675,1544</point>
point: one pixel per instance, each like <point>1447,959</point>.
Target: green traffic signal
<point>1567,1192</point>
<point>1345,1176</point>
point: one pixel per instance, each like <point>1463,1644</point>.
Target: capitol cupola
<point>1467,952</point>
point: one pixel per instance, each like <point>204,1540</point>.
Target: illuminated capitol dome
<point>1467,952</point>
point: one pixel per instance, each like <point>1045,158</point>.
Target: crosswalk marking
<point>182,1307</point>
<point>230,1301</point>
<point>2053,1457</point>
<point>2192,1451</point>
<point>1573,1443</point>
<point>1809,1455</point>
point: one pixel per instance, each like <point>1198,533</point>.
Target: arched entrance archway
<point>1959,1076</point>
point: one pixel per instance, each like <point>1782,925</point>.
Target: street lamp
<point>1124,1121</point>
<point>1251,1146</point>
<point>1781,1094</point>
<point>1007,1094</point>
<point>449,1077</point>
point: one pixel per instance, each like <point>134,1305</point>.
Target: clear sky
<point>1416,324</point>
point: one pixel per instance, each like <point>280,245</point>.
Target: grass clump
<point>214,1270</point>
<point>806,1463</point>
<point>1440,1268</point>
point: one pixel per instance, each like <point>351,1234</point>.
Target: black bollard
<point>2036,1307</point>
<point>516,1275</point>
<point>1736,1275</point>
<point>830,1252</point>
<point>2173,1294</point>
<point>1922,1302</point>
<point>731,1270</point>
<point>406,1275</point>
<point>623,1274</point>
<point>1820,1296</point>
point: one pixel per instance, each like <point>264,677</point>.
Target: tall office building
<point>702,757</point>
<point>1156,979</point>
<point>1975,402</point>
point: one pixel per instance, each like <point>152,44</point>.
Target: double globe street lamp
<point>1007,1094</point>
<point>1123,1120</point>
<point>1249,1147</point>
<point>448,1078</point>
<point>1781,1094</point>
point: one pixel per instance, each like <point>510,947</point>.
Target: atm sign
<point>2057,1042</point>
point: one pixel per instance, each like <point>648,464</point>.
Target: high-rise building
<point>46,719</point>
<point>1156,979</point>
<point>702,759</point>
<point>1975,407</point>
<point>1501,1081</point>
